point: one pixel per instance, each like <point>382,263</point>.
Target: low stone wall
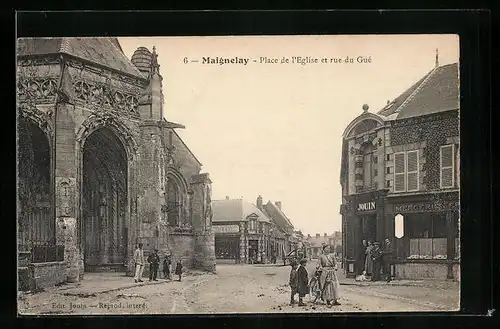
<point>44,275</point>
<point>422,271</point>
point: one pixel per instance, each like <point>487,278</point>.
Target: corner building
<point>400,168</point>
<point>100,169</point>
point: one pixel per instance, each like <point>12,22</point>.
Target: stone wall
<point>47,274</point>
<point>187,164</point>
<point>419,271</point>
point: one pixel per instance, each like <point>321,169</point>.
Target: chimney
<point>318,235</point>
<point>259,202</point>
<point>324,234</point>
<point>278,204</point>
<point>227,198</point>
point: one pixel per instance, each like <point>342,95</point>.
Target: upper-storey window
<point>406,171</point>
<point>252,225</point>
<point>447,166</point>
<point>369,166</point>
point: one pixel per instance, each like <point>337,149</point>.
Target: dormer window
<point>252,224</point>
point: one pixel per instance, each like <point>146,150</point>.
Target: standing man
<point>139,263</point>
<point>376,255</point>
<point>386,259</point>
<point>154,264</point>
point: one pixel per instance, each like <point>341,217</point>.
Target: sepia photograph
<point>238,174</point>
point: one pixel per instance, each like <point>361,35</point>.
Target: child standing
<point>303,281</point>
<point>166,267</point>
<point>294,282</point>
<point>178,269</point>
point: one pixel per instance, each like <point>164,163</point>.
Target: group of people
<point>154,265</point>
<point>377,258</point>
<point>323,284</point>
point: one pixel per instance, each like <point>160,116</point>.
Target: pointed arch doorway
<point>104,201</point>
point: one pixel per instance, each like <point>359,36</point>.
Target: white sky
<point>276,129</point>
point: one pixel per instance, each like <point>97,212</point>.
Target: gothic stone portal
<point>104,200</point>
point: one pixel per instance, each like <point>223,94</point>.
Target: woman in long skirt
<point>369,260</point>
<point>328,279</point>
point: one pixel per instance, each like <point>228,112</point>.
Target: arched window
<point>177,200</point>
<point>174,203</point>
<point>369,165</point>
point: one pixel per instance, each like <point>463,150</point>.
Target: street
<point>234,289</point>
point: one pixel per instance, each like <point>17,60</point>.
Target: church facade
<point>99,167</point>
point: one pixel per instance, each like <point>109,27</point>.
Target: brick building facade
<point>100,169</point>
<point>400,169</point>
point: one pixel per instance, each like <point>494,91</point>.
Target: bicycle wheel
<point>314,292</point>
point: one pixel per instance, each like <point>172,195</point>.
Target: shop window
<point>427,236</point>
<point>447,164</point>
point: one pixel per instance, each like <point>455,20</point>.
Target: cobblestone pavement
<point>240,289</point>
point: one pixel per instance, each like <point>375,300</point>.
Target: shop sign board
<point>426,207</point>
<point>220,229</point>
<point>367,206</point>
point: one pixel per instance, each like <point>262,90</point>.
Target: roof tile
<point>437,91</point>
<point>235,210</point>
<point>103,51</point>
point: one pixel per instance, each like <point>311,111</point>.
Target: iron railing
<point>47,253</point>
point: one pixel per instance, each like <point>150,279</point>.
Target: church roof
<point>104,51</point>
<point>235,210</point>
<point>437,91</point>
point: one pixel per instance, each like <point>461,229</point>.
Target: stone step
<point>120,267</point>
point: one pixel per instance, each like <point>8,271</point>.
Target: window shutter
<point>447,162</point>
<point>399,172</point>
<point>412,170</point>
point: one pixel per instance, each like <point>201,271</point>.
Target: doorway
<point>104,201</point>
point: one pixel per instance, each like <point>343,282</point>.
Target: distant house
<point>283,224</point>
<point>251,233</point>
<point>317,242</point>
<point>241,231</point>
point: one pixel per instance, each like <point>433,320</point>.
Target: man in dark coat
<point>386,259</point>
<point>377,261</point>
<point>154,265</point>
<point>303,280</point>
